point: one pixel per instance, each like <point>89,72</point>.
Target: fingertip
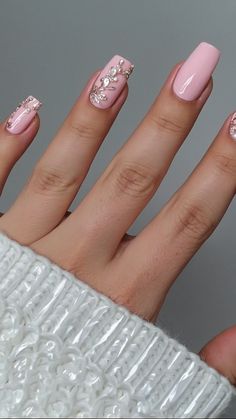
<point>169,84</point>
<point>21,139</point>
<point>172,75</point>
<point>227,130</point>
<point>30,132</point>
<point>117,105</point>
<point>220,354</point>
<point>206,93</point>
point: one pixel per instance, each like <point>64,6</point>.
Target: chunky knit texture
<point>68,351</point>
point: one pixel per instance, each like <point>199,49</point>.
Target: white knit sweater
<point>68,351</point>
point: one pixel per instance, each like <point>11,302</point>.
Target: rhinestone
<point>106,81</point>
<point>102,96</point>
<point>121,62</point>
<point>113,71</point>
<point>233,131</point>
<point>94,98</point>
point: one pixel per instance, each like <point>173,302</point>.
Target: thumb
<point>220,353</point>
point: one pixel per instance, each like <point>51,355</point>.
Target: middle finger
<point>134,174</point>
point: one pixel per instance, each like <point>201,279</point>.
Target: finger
<point>220,353</point>
<point>133,176</point>
<point>60,172</point>
<point>66,215</point>
<point>16,134</point>
<point>164,247</point>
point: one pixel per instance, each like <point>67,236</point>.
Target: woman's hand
<point>92,243</point>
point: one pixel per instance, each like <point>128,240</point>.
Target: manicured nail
<point>110,82</point>
<point>232,127</point>
<point>20,119</point>
<point>196,71</point>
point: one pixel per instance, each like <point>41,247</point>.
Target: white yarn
<point>68,351</point>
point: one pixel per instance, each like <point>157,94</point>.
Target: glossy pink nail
<point>20,119</point>
<point>110,82</point>
<point>196,71</point>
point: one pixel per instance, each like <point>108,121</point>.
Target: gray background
<point>49,49</point>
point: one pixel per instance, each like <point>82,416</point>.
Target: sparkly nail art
<point>232,127</point>
<point>110,82</point>
<point>23,115</point>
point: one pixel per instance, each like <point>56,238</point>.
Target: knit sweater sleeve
<point>68,351</point>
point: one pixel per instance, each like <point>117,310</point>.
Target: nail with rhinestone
<point>110,82</point>
<point>232,127</point>
<point>21,118</point>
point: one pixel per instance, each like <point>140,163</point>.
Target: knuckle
<point>134,179</point>
<point>225,163</point>
<point>83,129</point>
<point>125,298</point>
<point>195,221</point>
<point>167,124</point>
<point>129,297</point>
<point>46,180</point>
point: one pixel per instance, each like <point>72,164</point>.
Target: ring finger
<point>168,242</point>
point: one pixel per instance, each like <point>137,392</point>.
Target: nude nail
<point>110,82</point>
<point>196,71</point>
<point>20,119</point>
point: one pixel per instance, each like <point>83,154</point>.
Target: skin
<point>135,272</point>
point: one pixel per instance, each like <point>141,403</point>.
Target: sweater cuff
<point>66,350</point>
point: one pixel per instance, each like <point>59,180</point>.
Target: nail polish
<point>110,82</point>
<point>20,119</point>
<point>196,71</point>
<point>232,127</point>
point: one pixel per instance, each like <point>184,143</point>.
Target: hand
<point>92,242</point>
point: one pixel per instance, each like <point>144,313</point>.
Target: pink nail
<point>196,71</point>
<point>110,82</point>
<point>20,119</point>
<point>232,126</point>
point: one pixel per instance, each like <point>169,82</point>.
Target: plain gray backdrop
<point>50,48</point>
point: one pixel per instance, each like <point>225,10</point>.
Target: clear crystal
<point>106,81</point>
<point>233,131</point>
<point>94,98</point>
<point>102,96</point>
<point>113,71</point>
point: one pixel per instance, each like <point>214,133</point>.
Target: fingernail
<point>20,119</point>
<point>110,82</point>
<point>232,127</point>
<point>196,71</point>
